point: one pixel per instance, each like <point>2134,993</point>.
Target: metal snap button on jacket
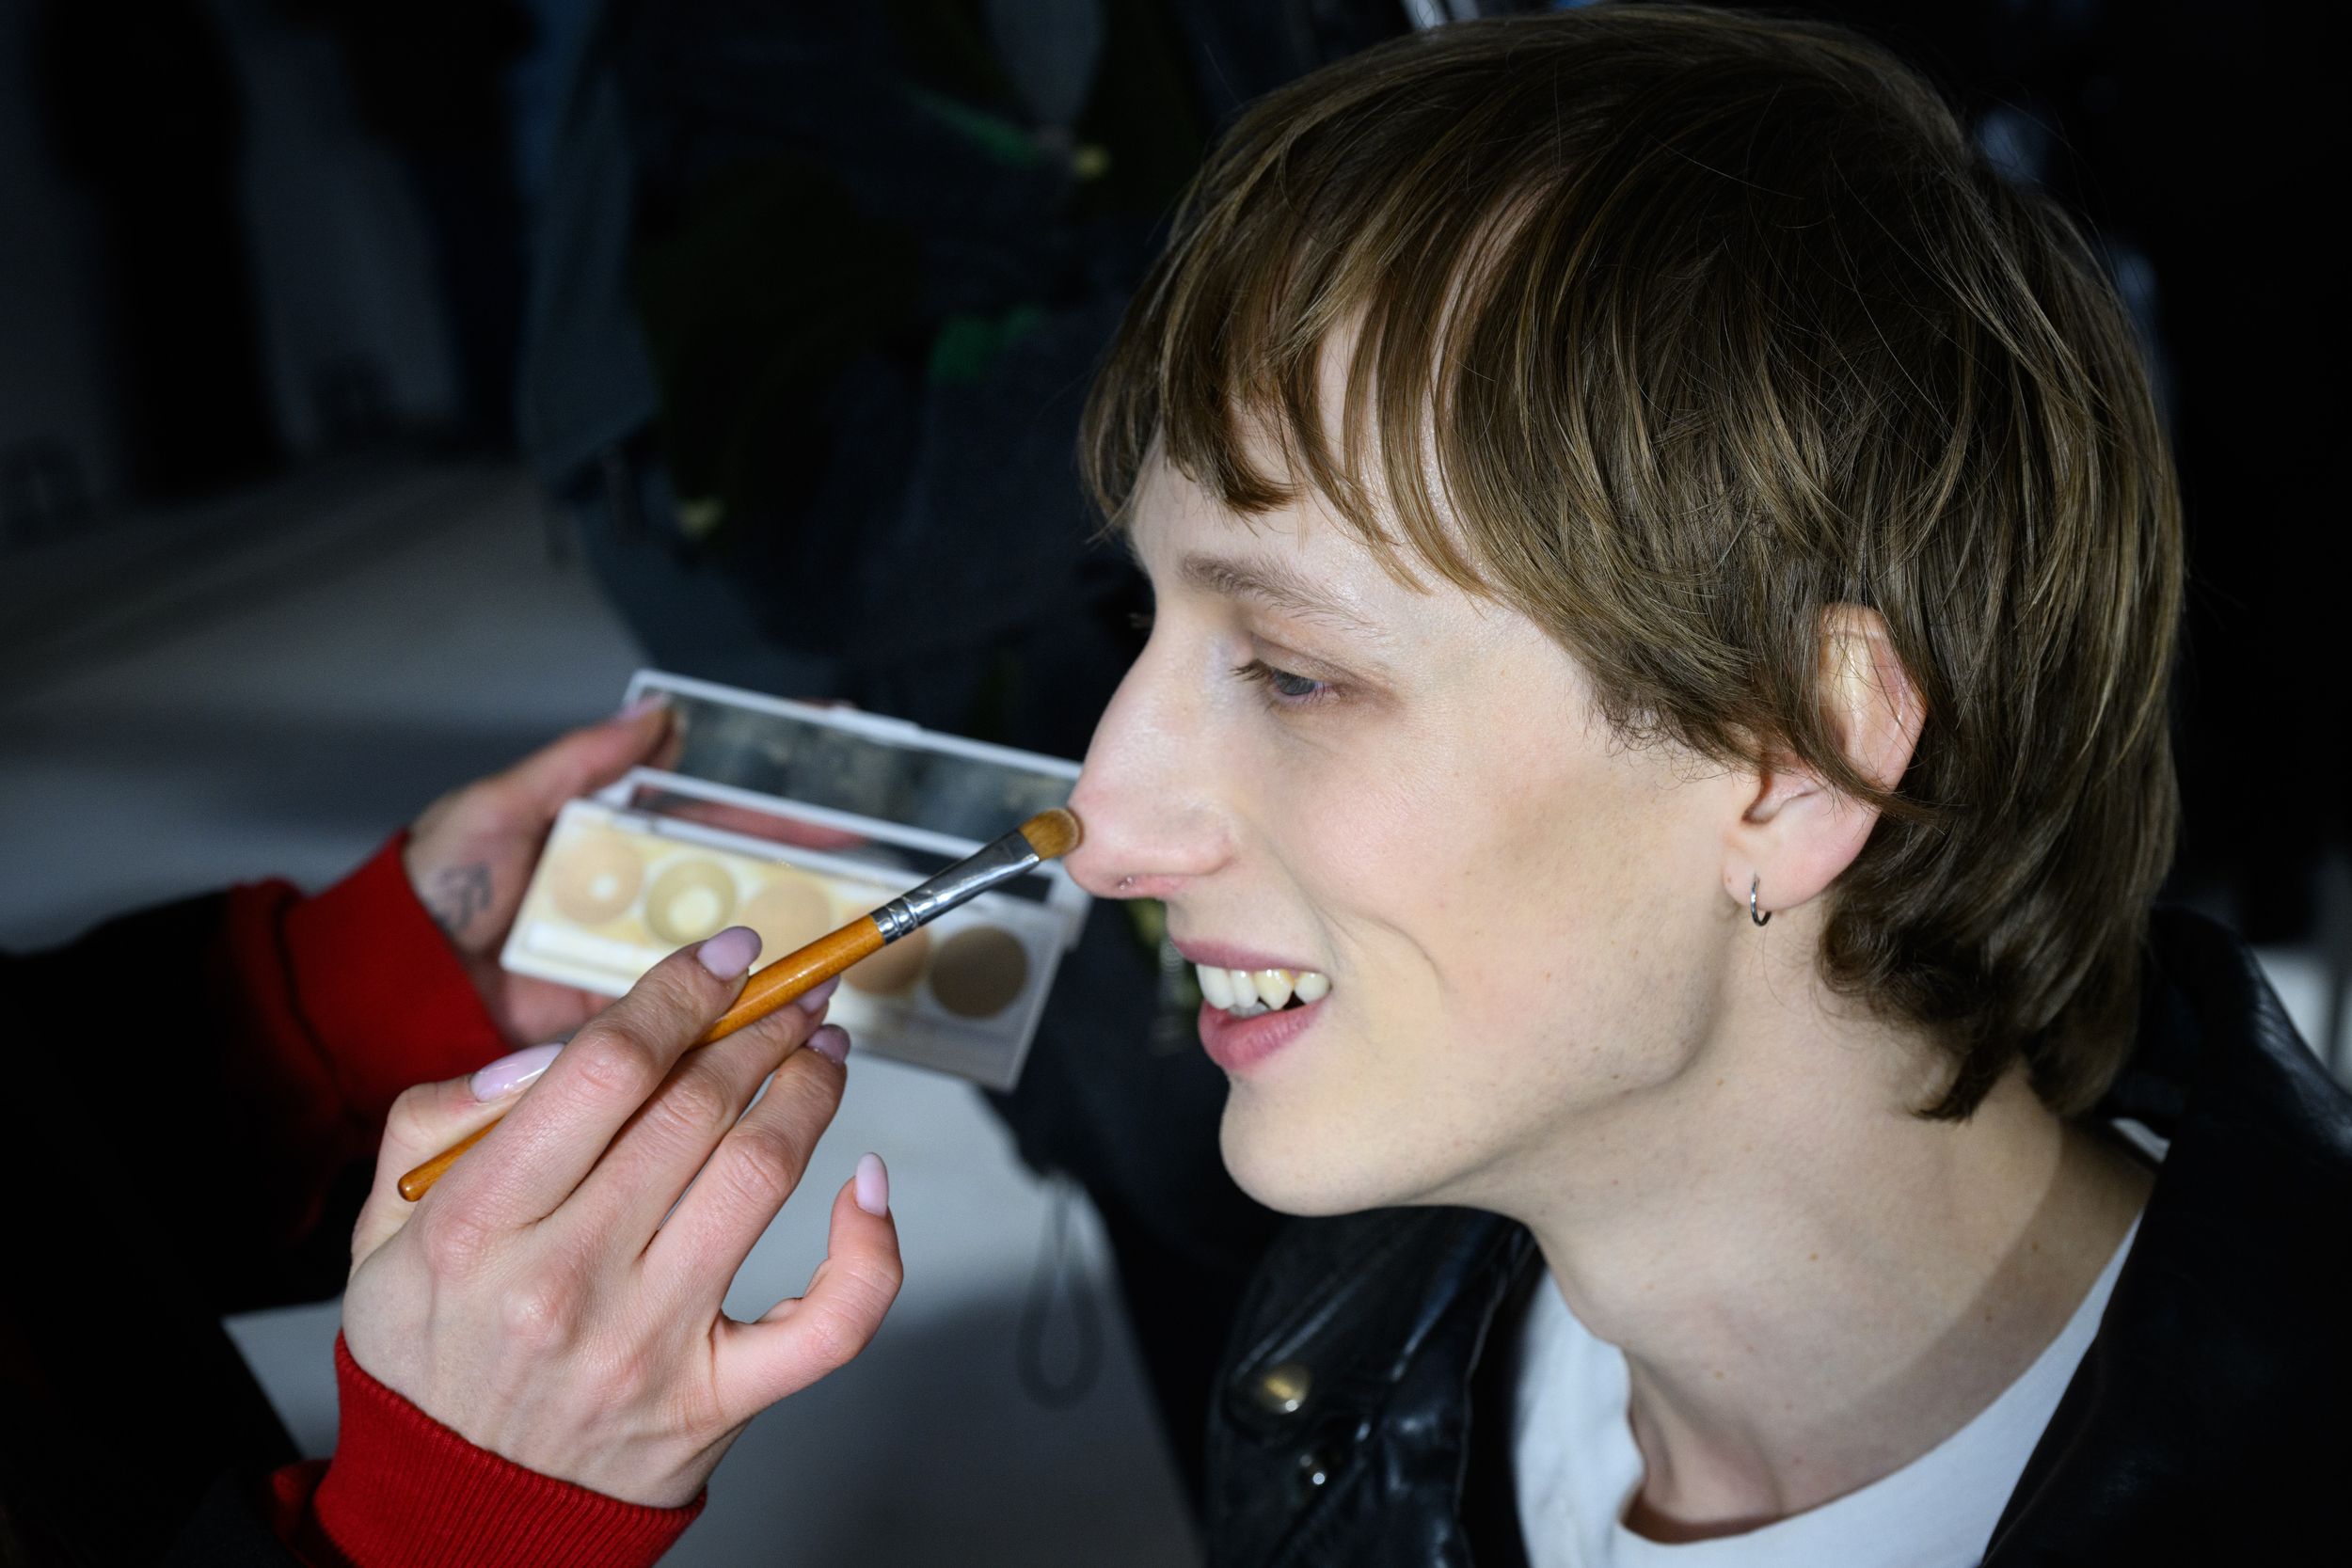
<point>1282,1389</point>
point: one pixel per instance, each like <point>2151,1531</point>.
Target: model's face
<point>1325,771</point>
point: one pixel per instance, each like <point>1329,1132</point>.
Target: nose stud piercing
<point>1763,919</point>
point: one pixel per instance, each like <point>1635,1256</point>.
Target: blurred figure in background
<point>430,78</point>
<point>142,109</point>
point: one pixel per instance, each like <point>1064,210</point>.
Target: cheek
<point>1592,956</point>
<point>1508,956</point>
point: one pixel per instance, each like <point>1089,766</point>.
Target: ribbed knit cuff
<point>389,1003</point>
<point>404,1490</point>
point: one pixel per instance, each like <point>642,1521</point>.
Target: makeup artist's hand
<point>547,1301</point>
<point>469,858</point>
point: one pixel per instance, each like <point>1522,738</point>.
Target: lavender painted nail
<point>730,953</point>
<point>513,1074</point>
<point>818,996</point>
<point>832,1042</point>
<point>873,1185</point>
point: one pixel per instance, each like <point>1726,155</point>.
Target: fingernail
<point>817,997</point>
<point>873,1185</point>
<point>832,1042</point>
<point>645,704</point>
<point>730,953</point>
<point>512,1074</point>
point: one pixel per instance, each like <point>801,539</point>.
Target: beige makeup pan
<point>788,913</point>
<point>689,901</point>
<point>979,971</point>
<point>596,879</point>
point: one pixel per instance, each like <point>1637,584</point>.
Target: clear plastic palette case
<point>794,820</point>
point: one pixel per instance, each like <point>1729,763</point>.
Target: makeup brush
<point>1048,835</point>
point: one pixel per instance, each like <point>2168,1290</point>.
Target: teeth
<point>1247,993</point>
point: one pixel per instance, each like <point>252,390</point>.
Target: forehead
<point>1298,562</point>
<point>1298,558</point>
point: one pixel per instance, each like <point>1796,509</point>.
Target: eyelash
<point>1274,680</point>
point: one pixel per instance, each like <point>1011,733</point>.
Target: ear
<point>1799,832</point>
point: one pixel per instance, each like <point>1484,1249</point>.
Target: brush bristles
<point>1053,833</point>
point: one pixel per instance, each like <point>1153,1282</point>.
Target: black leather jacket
<point>1358,1424</point>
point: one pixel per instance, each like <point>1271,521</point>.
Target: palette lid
<point>843,770</point>
<point>840,760</point>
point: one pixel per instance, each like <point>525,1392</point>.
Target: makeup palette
<point>794,820</point>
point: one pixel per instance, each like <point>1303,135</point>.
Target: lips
<point>1252,1005</point>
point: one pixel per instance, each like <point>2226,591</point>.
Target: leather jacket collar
<point>1359,1421</point>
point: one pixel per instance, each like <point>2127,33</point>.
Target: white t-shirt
<point>1577,1467</point>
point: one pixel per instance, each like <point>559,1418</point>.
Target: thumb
<point>588,759</point>
<point>509,813</point>
<point>428,1118</point>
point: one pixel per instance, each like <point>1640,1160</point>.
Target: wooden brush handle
<point>778,983</point>
<point>796,974</point>
<point>419,1181</point>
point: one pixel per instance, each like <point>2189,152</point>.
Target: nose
<point>1146,795</point>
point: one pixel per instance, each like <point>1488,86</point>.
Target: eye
<point>1290,690</point>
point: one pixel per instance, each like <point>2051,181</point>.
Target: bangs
<point>1311,261</point>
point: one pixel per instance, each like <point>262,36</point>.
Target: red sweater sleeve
<point>404,1490</point>
<point>347,998</point>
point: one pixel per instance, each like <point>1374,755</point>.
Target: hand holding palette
<point>794,820</point>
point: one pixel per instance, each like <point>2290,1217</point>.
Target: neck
<point>1813,1285</point>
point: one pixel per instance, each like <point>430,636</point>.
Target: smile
<point>1247,993</point>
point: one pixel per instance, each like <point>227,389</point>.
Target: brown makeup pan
<point>979,972</point>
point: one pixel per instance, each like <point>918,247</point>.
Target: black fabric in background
<point>430,78</point>
<point>141,108</point>
<point>122,1399</point>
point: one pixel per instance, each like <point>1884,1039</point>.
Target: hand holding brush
<point>1048,835</point>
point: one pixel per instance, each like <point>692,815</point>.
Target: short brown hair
<point>1675,328</point>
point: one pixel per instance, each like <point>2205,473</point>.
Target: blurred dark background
<point>785,291</point>
<point>759,330</point>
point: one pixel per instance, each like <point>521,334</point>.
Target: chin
<point>1297,1162</point>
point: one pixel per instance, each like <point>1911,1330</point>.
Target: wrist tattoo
<point>455,895</point>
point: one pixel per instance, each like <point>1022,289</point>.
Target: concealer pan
<point>979,972</point>
<point>596,879</point>
<point>693,898</point>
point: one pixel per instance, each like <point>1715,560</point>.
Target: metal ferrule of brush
<point>999,864</point>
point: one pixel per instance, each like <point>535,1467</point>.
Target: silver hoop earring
<point>1763,919</point>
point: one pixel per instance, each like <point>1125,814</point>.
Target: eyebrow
<point>1271,583</point>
